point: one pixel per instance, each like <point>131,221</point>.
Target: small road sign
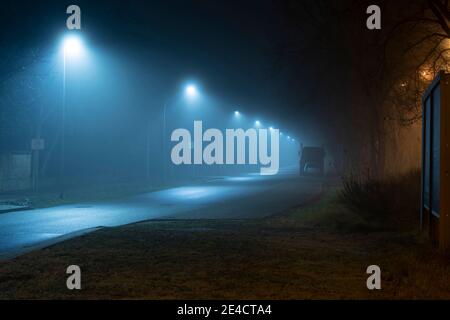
<point>37,144</point>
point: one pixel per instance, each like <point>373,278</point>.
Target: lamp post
<point>71,47</point>
<point>190,92</point>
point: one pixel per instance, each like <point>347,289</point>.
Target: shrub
<point>384,203</point>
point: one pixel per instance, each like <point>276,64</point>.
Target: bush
<point>388,203</point>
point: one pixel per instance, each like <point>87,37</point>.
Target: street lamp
<point>257,123</point>
<point>72,47</point>
<point>191,92</point>
<point>237,114</point>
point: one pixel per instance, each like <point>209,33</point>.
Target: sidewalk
<point>14,201</point>
<point>5,208</point>
<point>49,195</point>
<point>97,191</point>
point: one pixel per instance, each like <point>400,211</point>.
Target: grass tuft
<point>385,203</point>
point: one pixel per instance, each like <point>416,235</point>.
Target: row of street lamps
<point>73,47</point>
<point>258,124</point>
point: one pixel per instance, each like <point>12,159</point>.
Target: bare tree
<point>376,77</point>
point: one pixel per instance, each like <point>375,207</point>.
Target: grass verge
<point>318,252</point>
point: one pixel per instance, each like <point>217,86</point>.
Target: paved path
<point>247,196</point>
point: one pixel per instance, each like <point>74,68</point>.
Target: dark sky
<point>303,66</point>
<point>229,47</point>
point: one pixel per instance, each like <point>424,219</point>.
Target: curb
<point>12,208</point>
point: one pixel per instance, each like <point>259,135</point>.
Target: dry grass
<point>390,203</point>
<point>317,252</point>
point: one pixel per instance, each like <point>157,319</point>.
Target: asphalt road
<point>248,196</point>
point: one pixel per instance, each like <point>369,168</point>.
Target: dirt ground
<point>315,252</point>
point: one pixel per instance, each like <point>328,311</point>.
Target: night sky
<point>272,60</point>
<point>141,53</point>
<point>231,47</point>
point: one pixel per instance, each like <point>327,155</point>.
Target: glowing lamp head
<point>73,46</point>
<point>191,91</point>
<point>237,113</point>
<point>257,123</point>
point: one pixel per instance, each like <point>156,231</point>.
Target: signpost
<point>435,199</point>
<point>37,145</point>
